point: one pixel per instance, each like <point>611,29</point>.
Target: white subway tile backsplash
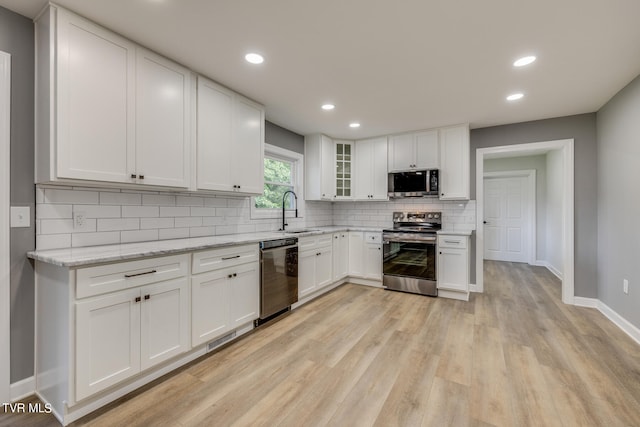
<point>133,216</point>
<point>109,198</point>
<point>94,239</point>
<point>55,195</point>
<point>118,224</point>
<point>47,211</point>
<point>175,211</point>
<point>140,211</point>
<point>138,236</point>
<point>146,223</point>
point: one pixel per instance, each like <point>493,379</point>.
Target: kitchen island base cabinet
<point>453,266</point>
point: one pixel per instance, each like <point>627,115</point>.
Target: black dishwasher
<point>278,277</point>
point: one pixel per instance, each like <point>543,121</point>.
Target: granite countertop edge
<point>84,256</point>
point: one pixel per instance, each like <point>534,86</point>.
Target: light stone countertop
<point>77,257</point>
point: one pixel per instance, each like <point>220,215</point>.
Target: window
<point>282,173</point>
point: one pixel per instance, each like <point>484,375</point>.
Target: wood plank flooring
<point>360,356</point>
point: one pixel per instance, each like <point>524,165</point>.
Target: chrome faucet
<point>284,224</point>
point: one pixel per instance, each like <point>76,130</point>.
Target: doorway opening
<point>561,153</point>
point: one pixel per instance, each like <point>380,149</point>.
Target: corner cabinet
<point>108,110</point>
<point>454,163</point>
<point>319,168</point>
<point>230,141</point>
<point>371,169</point>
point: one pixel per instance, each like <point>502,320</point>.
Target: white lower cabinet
<point>365,255</point>
<point>226,297</point>
<point>453,263</point>
<point>122,333</point>
<point>314,264</point>
<point>340,255</point>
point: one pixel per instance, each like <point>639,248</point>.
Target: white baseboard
<point>585,302</point>
<point>475,288</point>
<point>620,321</point>
<point>551,268</point>
<point>23,388</point>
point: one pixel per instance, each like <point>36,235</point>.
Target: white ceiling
<point>391,65</point>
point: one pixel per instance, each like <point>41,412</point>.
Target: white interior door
<point>506,219</point>
<point>5,106</point>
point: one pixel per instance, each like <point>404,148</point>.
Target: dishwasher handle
<point>295,245</point>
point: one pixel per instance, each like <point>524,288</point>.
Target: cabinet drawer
<point>215,259</point>
<point>101,279</point>
<point>446,241</point>
<point>372,237</point>
<point>314,242</point>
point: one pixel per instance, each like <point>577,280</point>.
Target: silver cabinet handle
<point>452,241</point>
<point>230,257</point>
<point>127,276</point>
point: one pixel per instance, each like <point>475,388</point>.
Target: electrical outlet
<point>625,286</point>
<point>79,220</point>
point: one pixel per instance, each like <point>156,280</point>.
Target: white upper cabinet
<point>319,168</point>
<point>93,109</point>
<point>413,151</point>
<point>344,169</point>
<point>163,114</point>
<point>454,163</point>
<point>230,141</point>
<point>107,110</point>
<point>371,169</point>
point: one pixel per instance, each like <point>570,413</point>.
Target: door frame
<point>530,174</point>
<point>566,147</point>
<point>5,268</point>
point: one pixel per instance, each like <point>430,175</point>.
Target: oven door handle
<point>425,241</point>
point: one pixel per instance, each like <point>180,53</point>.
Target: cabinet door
<point>107,341</point>
<point>401,152</point>
<point>247,149</point>
<point>95,102</point>
<point>164,321</point>
<point>340,251</point>
<point>454,163</point>
<point>343,166</point>
<point>379,178</point>
<point>327,169</point>
<point>427,156</point>
<point>210,295</point>
<point>324,274</point>
<point>373,261</point>
<point>363,163</point>
<point>453,269</point>
<point>306,273</point>
<point>245,294</point>
<point>356,249</point>
<point>215,107</point>
<point>163,121</point>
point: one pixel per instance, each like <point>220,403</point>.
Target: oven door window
<point>410,259</point>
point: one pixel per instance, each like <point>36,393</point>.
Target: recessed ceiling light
<point>354,125</point>
<point>254,58</point>
<point>328,107</point>
<point>514,96</point>
<point>525,60</point>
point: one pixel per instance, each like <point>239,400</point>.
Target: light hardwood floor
<point>360,356</point>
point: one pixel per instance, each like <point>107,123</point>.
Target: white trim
<point>566,147</point>
<point>531,176</point>
<point>5,269</point>
<point>585,302</point>
<point>298,185</point>
<point>620,321</point>
<point>473,287</point>
<point>23,388</point>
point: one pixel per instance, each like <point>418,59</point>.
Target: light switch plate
<point>20,216</point>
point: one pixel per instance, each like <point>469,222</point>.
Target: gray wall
<point>619,202</point>
<point>283,138</point>
<point>16,38</point>
<point>582,128</point>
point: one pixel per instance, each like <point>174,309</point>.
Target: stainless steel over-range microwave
<point>420,183</point>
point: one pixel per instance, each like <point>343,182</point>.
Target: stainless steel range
<point>410,248</point>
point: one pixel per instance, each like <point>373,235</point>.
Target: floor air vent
<point>217,343</point>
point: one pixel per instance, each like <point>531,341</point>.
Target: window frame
<point>297,170</point>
